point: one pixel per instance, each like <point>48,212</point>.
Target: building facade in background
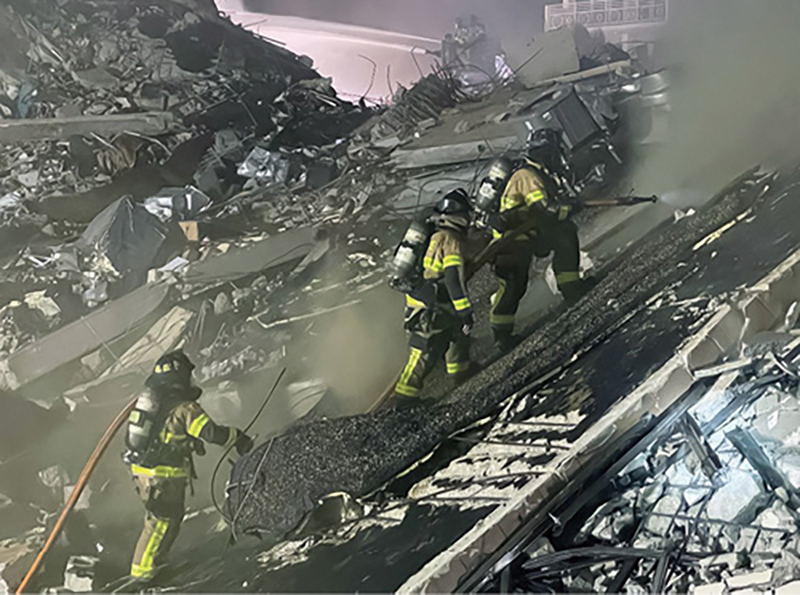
<point>622,21</point>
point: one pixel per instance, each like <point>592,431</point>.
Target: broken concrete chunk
<point>96,78</point>
<point>770,542</point>
<point>222,304</point>
<point>604,529</point>
<point>779,421</point>
<point>679,474</point>
<point>150,123</point>
<point>650,494</point>
<point>786,568</point>
<point>789,589</point>
<point>693,496</point>
<point>779,517</point>
<point>711,589</point>
<point>738,499</point>
<point>788,463</point>
<point>754,579</point>
<point>661,520</point>
<point>80,574</point>
<point>540,547</point>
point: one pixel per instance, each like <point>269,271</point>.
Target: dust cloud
<point>359,350</point>
<point>735,95</point>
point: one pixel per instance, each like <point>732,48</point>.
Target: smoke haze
<point>735,100</point>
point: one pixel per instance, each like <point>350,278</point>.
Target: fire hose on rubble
<point>91,464</point>
<point>486,255</point>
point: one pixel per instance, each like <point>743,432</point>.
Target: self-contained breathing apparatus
<point>169,385</point>
<point>406,268</point>
<point>487,201</point>
<point>407,265</point>
<point>545,148</point>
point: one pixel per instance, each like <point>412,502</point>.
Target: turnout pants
<point>164,502</point>
<point>434,335</point>
<point>513,265</point>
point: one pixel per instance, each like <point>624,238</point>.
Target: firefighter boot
<point>403,403</point>
<point>504,339</point>
<point>573,292</point>
<point>462,376</point>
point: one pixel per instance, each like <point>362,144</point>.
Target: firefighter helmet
<point>545,147</point>
<point>455,210</point>
<point>173,369</point>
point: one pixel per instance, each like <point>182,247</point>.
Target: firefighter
<point>165,430</point>
<point>439,314</point>
<point>532,196</point>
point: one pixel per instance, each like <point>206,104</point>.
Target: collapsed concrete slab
<point>17,131</point>
<point>83,336</point>
<point>271,252</point>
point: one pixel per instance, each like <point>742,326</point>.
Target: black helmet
<point>545,147</point>
<point>454,210</point>
<point>172,370</point>
<point>454,203</point>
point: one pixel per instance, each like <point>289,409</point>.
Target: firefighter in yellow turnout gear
<point>165,430</point>
<point>531,195</point>
<point>439,314</point>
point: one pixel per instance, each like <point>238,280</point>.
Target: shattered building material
<point>427,99</point>
<point>164,336</point>
<point>84,336</point>
<point>25,131</point>
<point>79,576</point>
<point>550,55</point>
<point>183,204</point>
<point>755,530</point>
<point>233,100</point>
<point>265,167</point>
<point>271,252</point>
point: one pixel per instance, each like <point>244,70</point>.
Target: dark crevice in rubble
<point>446,452</point>
<point>367,562</point>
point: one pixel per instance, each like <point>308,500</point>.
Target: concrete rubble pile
<point>711,508</point>
<point>169,180</point>
<point>248,162</point>
<point>159,126</point>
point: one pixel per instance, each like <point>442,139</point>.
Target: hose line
<point>246,430</point>
<point>91,464</point>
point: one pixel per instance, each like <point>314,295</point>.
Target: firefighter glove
<point>244,444</point>
<point>468,323</point>
<point>199,448</point>
<point>498,222</point>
